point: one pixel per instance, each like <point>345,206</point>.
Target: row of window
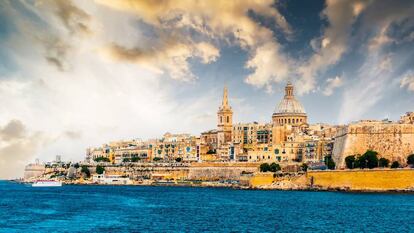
<point>289,121</point>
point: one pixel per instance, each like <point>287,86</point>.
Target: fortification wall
<point>363,180</point>
<point>218,173</point>
<point>197,171</point>
<point>392,141</point>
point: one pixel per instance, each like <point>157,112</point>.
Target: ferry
<point>47,183</point>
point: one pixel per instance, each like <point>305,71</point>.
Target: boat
<point>47,183</point>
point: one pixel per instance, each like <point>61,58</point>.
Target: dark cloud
<point>13,130</point>
<point>56,52</point>
<point>75,19</point>
<point>18,146</point>
<point>72,134</point>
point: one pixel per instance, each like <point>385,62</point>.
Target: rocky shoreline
<point>276,186</point>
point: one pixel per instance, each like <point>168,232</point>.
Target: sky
<point>80,73</point>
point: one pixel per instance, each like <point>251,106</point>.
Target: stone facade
<point>393,141</point>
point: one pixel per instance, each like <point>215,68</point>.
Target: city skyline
<point>79,73</point>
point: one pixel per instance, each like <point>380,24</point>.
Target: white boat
<point>47,183</point>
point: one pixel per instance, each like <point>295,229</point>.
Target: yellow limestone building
<point>282,140</point>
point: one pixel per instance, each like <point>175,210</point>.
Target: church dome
<point>289,104</point>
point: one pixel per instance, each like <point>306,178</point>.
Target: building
<point>289,111</point>
<point>392,140</point>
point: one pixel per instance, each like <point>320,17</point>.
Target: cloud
<point>268,66</point>
<point>380,65</point>
<point>73,18</point>
<point>408,81</point>
<point>330,47</point>
<point>187,21</point>
<point>173,59</point>
<point>331,84</point>
<point>17,147</point>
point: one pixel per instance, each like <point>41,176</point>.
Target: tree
<point>210,152</point>
<point>178,160</point>
<point>410,159</point>
<point>135,159</point>
<point>126,160</point>
<point>350,162</point>
<point>372,159</point>
<point>157,159</point>
<point>274,167</point>
<point>85,170</point>
<point>100,169</point>
<point>102,159</point>
<point>304,167</point>
<point>76,165</point>
<point>264,167</point>
<point>329,162</point>
<point>395,164</point>
<point>383,162</point>
<point>368,160</point>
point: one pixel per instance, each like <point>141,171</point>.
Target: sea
<point>83,208</point>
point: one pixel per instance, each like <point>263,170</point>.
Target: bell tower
<point>224,120</point>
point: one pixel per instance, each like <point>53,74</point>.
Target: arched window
<point>228,119</point>
<point>289,121</point>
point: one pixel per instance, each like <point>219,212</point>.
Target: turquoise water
<point>185,209</point>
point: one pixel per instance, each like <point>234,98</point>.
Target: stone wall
<point>195,171</point>
<point>363,180</point>
<point>391,140</point>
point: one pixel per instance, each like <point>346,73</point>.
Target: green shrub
<point>383,162</point>
<point>102,159</point>
<point>157,159</point>
<point>274,167</point>
<point>264,167</point>
<point>368,160</point>
<point>330,163</point>
<point>100,169</point>
<point>210,152</point>
<point>395,164</point>
<point>304,167</point>
<point>410,159</point>
<point>85,170</point>
<point>350,162</point>
<point>135,159</point>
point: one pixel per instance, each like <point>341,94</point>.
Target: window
<point>289,121</point>
<point>228,119</point>
<point>221,119</point>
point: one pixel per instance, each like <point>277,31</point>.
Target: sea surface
<point>184,209</point>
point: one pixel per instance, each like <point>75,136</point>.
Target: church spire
<point>225,103</point>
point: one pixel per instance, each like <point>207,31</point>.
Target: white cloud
<point>408,81</point>
<point>268,65</point>
<point>331,85</point>
<point>340,15</point>
<point>222,21</point>
<point>367,89</point>
<point>17,147</point>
